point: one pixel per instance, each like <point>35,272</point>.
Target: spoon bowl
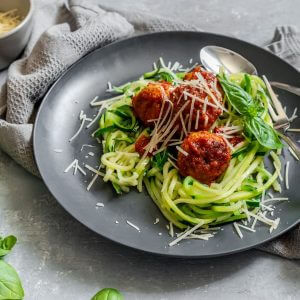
<point>214,57</point>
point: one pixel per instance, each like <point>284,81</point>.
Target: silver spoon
<point>214,57</point>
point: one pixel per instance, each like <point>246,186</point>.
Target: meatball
<point>208,76</point>
<point>148,102</point>
<point>208,156</point>
<point>203,108</point>
<point>203,115</point>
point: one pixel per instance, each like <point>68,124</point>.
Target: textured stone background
<point>58,258</point>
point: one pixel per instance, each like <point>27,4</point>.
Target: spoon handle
<point>287,87</point>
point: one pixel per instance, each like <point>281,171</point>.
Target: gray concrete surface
<point>58,258</point>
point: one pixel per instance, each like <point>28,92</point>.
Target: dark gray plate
<point>120,62</point>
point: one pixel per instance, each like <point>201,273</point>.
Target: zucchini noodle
<point>185,201</point>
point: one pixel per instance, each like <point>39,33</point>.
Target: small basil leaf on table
<point>10,284</point>
<point>7,244</point>
<point>108,294</point>
<point>263,132</point>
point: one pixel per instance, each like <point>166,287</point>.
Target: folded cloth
<point>62,35</point>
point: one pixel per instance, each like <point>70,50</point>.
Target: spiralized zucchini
<point>185,201</point>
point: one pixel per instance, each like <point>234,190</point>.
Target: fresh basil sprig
<point>241,101</point>
<point>244,104</point>
<point>108,294</point>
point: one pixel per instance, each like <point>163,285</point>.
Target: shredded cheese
<point>134,226</point>
<point>171,231</point>
<point>86,145</point>
<point>172,163</point>
<point>97,116</point>
<point>156,221</point>
<point>246,228</point>
<point>276,199</point>
<point>287,175</point>
<point>82,117</point>
<point>182,151</point>
<point>71,165</point>
<point>185,234</point>
<point>237,229</point>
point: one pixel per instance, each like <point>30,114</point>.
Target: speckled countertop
<point>58,258</point>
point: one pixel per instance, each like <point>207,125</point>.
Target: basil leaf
<point>160,159</point>
<point>238,98</point>
<point>108,294</point>
<point>263,132</point>
<point>7,244</point>
<point>10,284</point>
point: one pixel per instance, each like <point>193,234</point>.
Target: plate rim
<point>120,41</point>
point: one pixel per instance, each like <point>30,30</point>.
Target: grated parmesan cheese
<point>287,175</point>
<point>133,226</point>
<point>71,165</point>
<point>185,234</point>
<point>182,151</point>
<point>236,227</point>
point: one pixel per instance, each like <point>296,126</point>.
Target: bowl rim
<point>24,21</point>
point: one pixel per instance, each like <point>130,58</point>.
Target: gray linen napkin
<point>61,36</point>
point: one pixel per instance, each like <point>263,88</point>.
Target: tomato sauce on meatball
<point>208,76</point>
<point>208,156</point>
<point>206,117</point>
<point>203,114</point>
<point>148,102</point>
<point>141,143</point>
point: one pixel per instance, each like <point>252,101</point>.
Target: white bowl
<point>13,42</point>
